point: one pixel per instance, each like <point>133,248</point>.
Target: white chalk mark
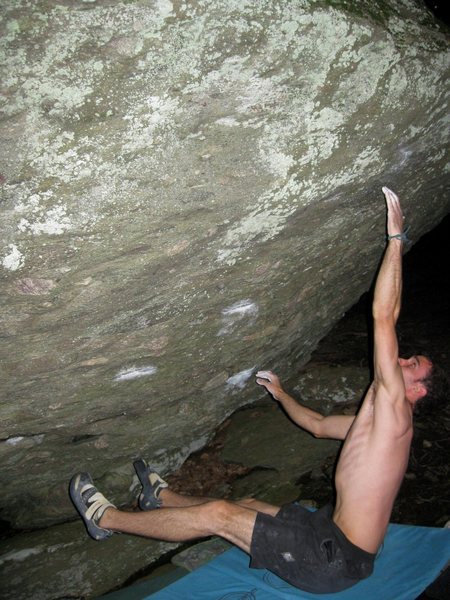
<point>13,441</point>
<point>240,379</point>
<point>35,439</point>
<point>243,307</point>
<point>236,313</point>
<point>135,373</point>
<point>21,555</point>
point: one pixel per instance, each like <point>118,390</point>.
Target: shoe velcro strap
<point>96,502</point>
<point>157,483</point>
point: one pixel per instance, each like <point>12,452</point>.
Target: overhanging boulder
<point>191,191</point>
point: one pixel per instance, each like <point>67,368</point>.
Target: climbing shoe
<point>152,484</point>
<point>90,503</point>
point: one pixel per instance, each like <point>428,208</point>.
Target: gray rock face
<point>59,562</point>
<point>191,191</point>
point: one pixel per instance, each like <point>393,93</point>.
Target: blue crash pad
<point>411,558</point>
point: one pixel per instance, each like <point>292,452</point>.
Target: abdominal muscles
<point>369,473</point>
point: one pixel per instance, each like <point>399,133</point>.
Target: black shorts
<point>308,550</point>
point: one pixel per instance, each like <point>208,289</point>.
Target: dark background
<point>440,9</point>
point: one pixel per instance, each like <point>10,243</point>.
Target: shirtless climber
<point>335,547</point>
